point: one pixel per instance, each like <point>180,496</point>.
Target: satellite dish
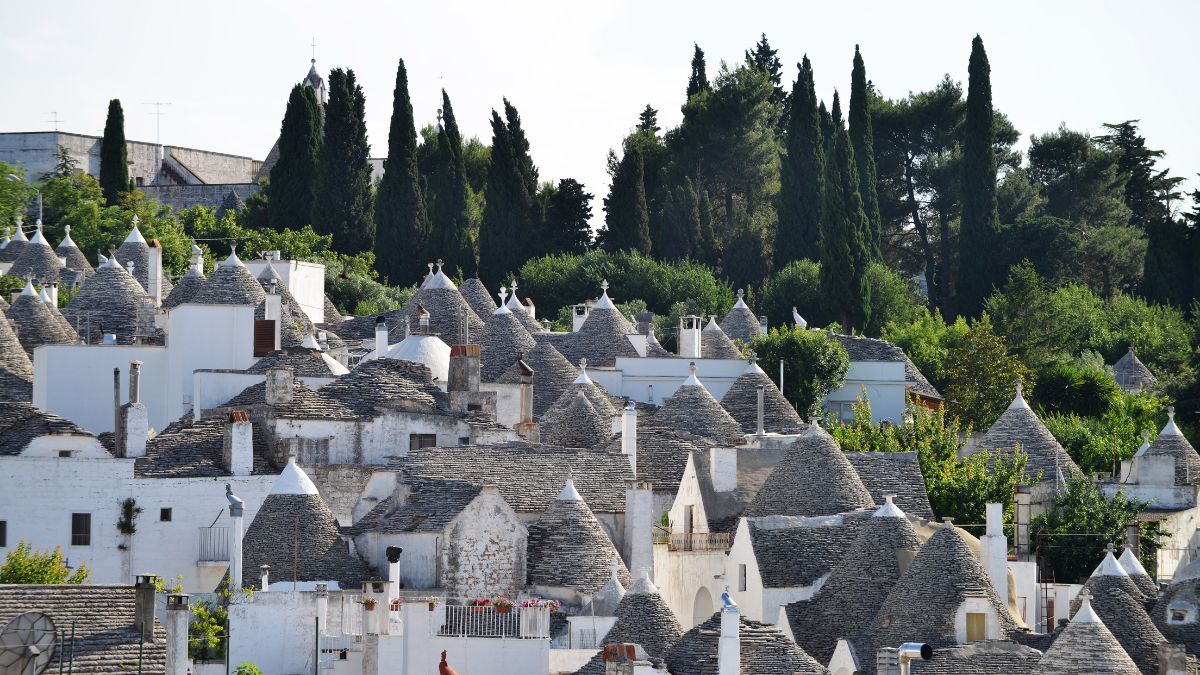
<point>27,644</point>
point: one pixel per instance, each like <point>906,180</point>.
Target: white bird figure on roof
<point>799,320</point>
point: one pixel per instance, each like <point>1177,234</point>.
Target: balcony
<point>518,622</point>
<point>698,541</point>
<point>213,546</point>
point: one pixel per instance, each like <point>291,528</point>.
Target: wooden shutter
<point>264,337</point>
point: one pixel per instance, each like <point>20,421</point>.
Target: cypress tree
<point>401,225</point>
<point>506,210</point>
<point>626,217</point>
<point>980,224</point>
<point>705,248</point>
<point>862,139</point>
<point>1167,275</point>
<point>114,155</point>
<point>343,204</point>
<point>698,81</point>
<point>844,254</point>
<point>801,176</point>
<point>681,223</point>
<point>293,178</point>
<point>567,216</point>
<point>648,120</point>
<point>531,239</point>
<point>450,236</point>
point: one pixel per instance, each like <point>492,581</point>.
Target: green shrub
<point>813,365</point>
<point>1065,388</point>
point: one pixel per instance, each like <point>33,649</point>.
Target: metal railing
<point>351,614</point>
<point>214,544</point>
<point>700,541</point>
<point>515,622</point>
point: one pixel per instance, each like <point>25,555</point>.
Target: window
<point>474,407</point>
<point>741,577</point>
<point>3,533</point>
<point>976,626</point>
<point>164,515</point>
<point>140,180</point>
<point>81,529</point>
<point>464,440</point>
<point>687,519</point>
<point>417,441</point>
<point>1180,613</point>
<point>65,453</point>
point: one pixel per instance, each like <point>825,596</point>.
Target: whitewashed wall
<point>884,385</point>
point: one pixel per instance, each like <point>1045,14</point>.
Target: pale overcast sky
<point>579,72</point>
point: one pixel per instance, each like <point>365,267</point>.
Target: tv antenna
<point>27,644</point>
<point>55,121</point>
<point>158,113</point>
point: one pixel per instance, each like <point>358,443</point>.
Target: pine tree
<point>567,218</point>
<point>980,224</point>
<point>293,178</point>
<point>767,60</point>
<point>506,210</point>
<point>343,204</point>
<point>844,254</point>
<point>401,225</point>
<point>801,176</point>
<point>114,155</point>
<point>450,236</point>
<point>626,219</point>
<point>1147,189</point>
<point>862,138</point>
<point>648,120</point>
<point>698,82</point>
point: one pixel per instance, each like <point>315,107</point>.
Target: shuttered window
<point>81,529</point>
<point>264,337</point>
<point>976,626</point>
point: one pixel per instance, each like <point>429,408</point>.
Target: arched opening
<point>702,606</point>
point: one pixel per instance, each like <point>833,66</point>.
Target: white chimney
<point>135,422</point>
<point>629,434</point>
<point>762,325</point>
<point>236,512</point>
<point>239,444</point>
<point>639,528</point>
<point>689,336</point>
<point>993,549</point>
<point>322,608</point>
<point>723,469</point>
<point>761,413</point>
<point>381,337</point>
<point>393,557</point>
<point>264,573</point>
<point>143,589</point>
<point>175,621</point>
<point>53,288</point>
<point>579,314</point>
<point>154,272</point>
<point>729,648</point>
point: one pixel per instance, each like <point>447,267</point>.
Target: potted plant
<point>395,605</point>
<point>503,605</point>
<point>368,603</point>
<point>479,604</point>
<point>432,602</point>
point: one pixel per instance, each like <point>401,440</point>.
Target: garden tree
<point>626,218</point>
<point>1017,197</point>
<point>680,236</point>
<point>658,184</point>
<point>449,235</point>
<point>1102,442</point>
<point>1148,191</point>
<point>981,376</point>
<point>343,203</point>
<point>801,176</point>
<point>844,253</point>
<point>1076,389</point>
<point>862,140</point>
<point>255,213</point>
<point>927,340</point>
<point>401,224</point>
<point>27,565</point>
<point>1167,269</point>
<point>648,120</point>
<point>520,151</point>
<point>980,225</point>
<point>14,194</point>
<point>568,211</point>
<point>504,232</point>
<point>705,248</point>
<point>798,284</point>
<point>698,81</point>
<point>893,299</point>
<point>958,487</point>
<point>293,178</point>
<point>1078,179</point>
<point>1073,533</point>
<point>813,365</point>
<point>114,155</point>
<point>766,60</point>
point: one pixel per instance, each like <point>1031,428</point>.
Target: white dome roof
<point>427,349</point>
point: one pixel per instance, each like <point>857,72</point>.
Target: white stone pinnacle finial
<point>1020,388</point>
<point>135,220</point>
<point>753,357</point>
<point>692,367</point>
<point>1146,436</point>
<point>1171,413</point>
<point>513,286</point>
<point>741,293</point>
<point>67,229</point>
<point>503,294</point>
<point>439,264</point>
<point>604,286</point>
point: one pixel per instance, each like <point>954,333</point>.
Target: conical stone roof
<point>578,425</point>
<point>1118,602</point>
<point>519,310</point>
<point>922,606</point>
<point>1131,374</point>
<point>1171,443</point>
<point>37,323</point>
<point>15,245</point>
<point>552,375</point>
<point>499,341</point>
<point>13,358</point>
<point>692,409</point>
<point>715,344</point>
<point>135,250</point>
<point>296,325</point>
<point>439,297</point>
<point>1019,426</point>
<point>75,259</point>
<point>1138,575</point>
<point>858,585</point>
<point>37,260</point>
<point>230,284</point>
<point>478,298</point>
<point>740,323</point>
<point>1183,593</point>
<point>332,315</point>
<point>813,479</point>
<point>298,536</point>
<point>741,402</point>
<point>643,618</point>
<point>568,548</point>
<point>765,650</point>
<point>110,301</point>
<point>604,403</point>
<point>1086,647</point>
<point>186,289</point>
<point>601,338</point>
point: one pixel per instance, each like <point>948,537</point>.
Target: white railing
<point>700,541</point>
<point>351,614</point>
<point>487,621</point>
<point>214,544</point>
